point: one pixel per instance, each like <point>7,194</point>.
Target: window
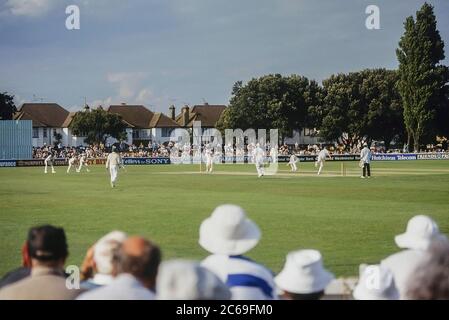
<point>136,134</point>
<point>166,132</point>
<point>45,132</point>
<point>35,132</point>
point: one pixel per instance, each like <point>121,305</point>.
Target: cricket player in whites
<point>113,163</point>
<point>72,161</point>
<point>258,156</point>
<point>322,155</point>
<point>292,162</point>
<point>49,161</point>
<point>83,162</point>
<point>209,154</point>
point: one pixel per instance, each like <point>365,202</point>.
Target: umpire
<point>365,157</point>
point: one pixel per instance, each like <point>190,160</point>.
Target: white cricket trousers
<point>113,170</point>
<point>260,169</point>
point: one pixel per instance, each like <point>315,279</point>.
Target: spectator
<point>421,231</point>
<point>186,280</point>
<point>431,279</point>
<point>228,234</point>
<point>100,265</point>
<point>303,276</point>
<point>375,283</point>
<point>19,273</point>
<point>135,268</point>
<point>47,247</point>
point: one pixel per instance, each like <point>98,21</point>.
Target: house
<point>144,125</point>
<point>208,115</point>
<point>49,120</point>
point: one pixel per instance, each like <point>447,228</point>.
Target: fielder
<point>49,161</point>
<point>322,155</point>
<point>72,162</point>
<point>83,162</point>
<point>258,156</point>
<point>292,163</point>
<point>113,163</point>
<point>209,159</point>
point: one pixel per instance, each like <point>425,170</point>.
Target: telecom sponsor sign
<point>7,163</point>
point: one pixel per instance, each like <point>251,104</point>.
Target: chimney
<point>185,115</point>
<point>172,112</point>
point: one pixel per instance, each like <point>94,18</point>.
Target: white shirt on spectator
<point>246,279</point>
<point>403,264</point>
<point>124,287</point>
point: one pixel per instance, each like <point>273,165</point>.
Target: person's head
<point>303,276</point>
<point>114,148</point>
<point>421,231</point>
<point>431,278</point>
<point>47,246</point>
<point>228,231</point>
<point>139,257</point>
<point>104,250</point>
<point>375,283</point>
<point>187,280</point>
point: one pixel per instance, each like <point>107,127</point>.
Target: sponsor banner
<point>145,161</point>
<point>239,159</point>
<point>7,163</point>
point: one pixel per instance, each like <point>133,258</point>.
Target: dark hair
<point>47,243</point>
<point>305,296</point>
<point>143,266</point>
<point>431,279</point>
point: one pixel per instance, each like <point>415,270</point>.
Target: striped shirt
<point>246,279</point>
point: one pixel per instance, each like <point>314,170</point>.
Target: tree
<point>422,79</point>
<point>359,106</point>
<point>7,106</point>
<point>271,102</point>
<point>97,125</point>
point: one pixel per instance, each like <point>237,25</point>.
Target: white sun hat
<point>187,280</point>
<point>375,283</point>
<point>421,231</point>
<point>303,273</point>
<point>228,231</point>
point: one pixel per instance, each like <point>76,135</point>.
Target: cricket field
<point>350,220</point>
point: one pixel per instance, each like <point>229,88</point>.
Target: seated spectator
<point>303,276</point>
<point>135,268</point>
<point>19,273</point>
<point>47,247</point>
<point>421,231</point>
<point>98,266</point>
<point>375,283</point>
<point>187,280</point>
<point>431,278</point>
<point>228,234</point>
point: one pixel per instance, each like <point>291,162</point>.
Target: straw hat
<point>303,273</point>
<point>228,231</point>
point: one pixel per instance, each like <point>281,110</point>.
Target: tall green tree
<point>359,106</point>
<point>97,125</point>
<point>422,77</point>
<point>271,101</point>
<point>7,106</point>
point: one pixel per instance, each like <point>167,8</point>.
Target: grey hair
<point>431,280</point>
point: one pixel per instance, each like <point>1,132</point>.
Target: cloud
<point>32,8</point>
<point>128,83</point>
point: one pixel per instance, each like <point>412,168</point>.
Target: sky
<point>163,52</point>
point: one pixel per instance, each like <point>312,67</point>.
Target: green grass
<point>350,220</point>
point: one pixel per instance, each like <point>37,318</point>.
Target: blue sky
<point>162,52</point>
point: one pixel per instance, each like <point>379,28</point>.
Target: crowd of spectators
<point>153,150</point>
<point>123,267</point>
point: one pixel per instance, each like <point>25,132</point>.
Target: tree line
<point>409,105</point>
